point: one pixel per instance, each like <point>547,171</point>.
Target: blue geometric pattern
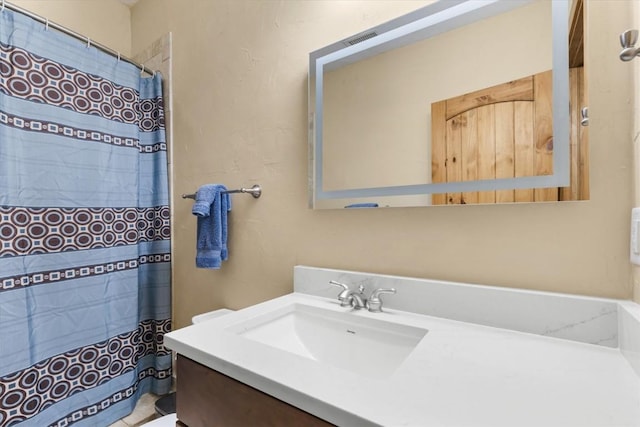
<point>85,272</point>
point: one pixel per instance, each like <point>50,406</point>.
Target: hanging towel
<point>211,208</point>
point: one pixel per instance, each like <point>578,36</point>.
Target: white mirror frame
<point>436,18</point>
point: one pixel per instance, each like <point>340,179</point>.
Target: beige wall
<point>105,21</point>
<point>635,136</point>
<point>240,112</point>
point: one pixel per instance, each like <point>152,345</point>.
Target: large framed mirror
<point>458,102</point>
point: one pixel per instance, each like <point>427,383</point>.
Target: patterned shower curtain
<point>84,231</point>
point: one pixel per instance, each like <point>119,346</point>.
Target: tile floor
<point>145,411</point>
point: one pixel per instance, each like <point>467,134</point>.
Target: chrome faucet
<point>356,299</point>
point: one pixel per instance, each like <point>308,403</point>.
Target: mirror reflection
<point>470,104</point>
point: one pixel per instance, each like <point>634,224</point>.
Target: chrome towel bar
<point>255,191</point>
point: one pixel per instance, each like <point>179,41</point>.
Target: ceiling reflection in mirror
<point>455,99</point>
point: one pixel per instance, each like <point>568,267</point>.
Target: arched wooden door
<point>504,131</point>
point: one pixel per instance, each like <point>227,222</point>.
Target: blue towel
<point>211,208</point>
<point>362,205</point>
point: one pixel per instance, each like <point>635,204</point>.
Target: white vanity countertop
<point>460,374</point>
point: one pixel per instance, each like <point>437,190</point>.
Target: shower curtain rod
<point>6,5</point>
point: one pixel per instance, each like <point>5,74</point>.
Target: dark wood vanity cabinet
<point>207,398</point>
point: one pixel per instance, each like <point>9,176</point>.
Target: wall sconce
<point>628,41</point>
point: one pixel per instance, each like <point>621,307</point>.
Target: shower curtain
<point>84,231</point>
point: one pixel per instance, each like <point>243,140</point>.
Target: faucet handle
<point>342,285</point>
<point>344,297</point>
<point>374,303</point>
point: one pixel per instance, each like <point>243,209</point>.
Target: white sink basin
<point>362,345</point>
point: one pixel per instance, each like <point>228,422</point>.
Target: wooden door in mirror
<point>506,131</point>
<point>500,132</point>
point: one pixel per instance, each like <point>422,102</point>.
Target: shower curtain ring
<point>142,71</point>
<point>118,56</point>
<point>2,8</point>
<point>46,24</point>
<point>88,42</point>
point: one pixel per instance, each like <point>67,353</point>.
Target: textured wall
<point>240,113</point>
<point>634,100</point>
<point>105,21</point>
